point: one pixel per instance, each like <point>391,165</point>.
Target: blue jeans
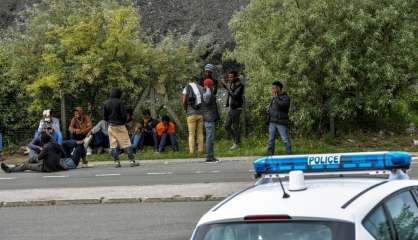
<point>116,152</point>
<point>275,128</point>
<point>74,151</point>
<point>1,142</point>
<point>138,140</point>
<point>101,140</point>
<point>163,141</point>
<point>57,136</point>
<point>210,139</point>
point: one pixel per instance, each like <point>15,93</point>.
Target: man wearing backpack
<point>192,102</point>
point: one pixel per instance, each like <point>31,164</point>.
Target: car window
<point>404,211</point>
<point>276,230</point>
<point>377,224</point>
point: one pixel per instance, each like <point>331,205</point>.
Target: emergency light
<point>335,162</point>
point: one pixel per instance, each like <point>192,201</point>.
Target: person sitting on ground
<point>79,128</point>
<point>48,121</point>
<point>145,132</point>
<point>100,137</point>
<point>35,146</point>
<point>166,131</point>
<point>49,159</point>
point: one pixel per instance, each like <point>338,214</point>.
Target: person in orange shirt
<point>166,130</point>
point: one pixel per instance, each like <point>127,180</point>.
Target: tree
<point>61,54</point>
<point>345,61</point>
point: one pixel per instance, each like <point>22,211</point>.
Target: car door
<point>395,218</point>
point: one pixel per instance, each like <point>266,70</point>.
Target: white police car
<point>330,206</point>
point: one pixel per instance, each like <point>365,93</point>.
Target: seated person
<point>80,126</point>
<point>50,122</point>
<point>35,146</point>
<point>100,137</point>
<point>166,132</point>
<point>48,159</point>
<point>145,133</point>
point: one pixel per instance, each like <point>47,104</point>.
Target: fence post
<point>63,117</point>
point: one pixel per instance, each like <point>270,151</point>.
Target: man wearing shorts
<point>115,114</point>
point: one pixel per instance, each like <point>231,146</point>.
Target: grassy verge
<point>253,146</point>
<point>256,146</point>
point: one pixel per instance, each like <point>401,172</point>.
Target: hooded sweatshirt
<point>83,124</point>
<point>114,109</point>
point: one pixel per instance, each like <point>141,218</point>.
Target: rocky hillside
<point>159,17</point>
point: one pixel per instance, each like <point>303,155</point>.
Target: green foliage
<point>79,50</point>
<point>348,60</point>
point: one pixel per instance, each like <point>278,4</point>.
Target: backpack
<point>191,98</point>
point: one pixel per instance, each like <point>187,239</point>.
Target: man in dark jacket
<point>49,159</point>
<point>210,117</point>
<point>235,102</point>
<point>278,118</point>
<point>115,114</point>
<point>145,132</point>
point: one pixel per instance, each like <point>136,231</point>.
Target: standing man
<point>192,103</point>
<point>235,102</point>
<point>208,74</point>
<point>211,116</point>
<point>115,114</point>
<point>278,118</point>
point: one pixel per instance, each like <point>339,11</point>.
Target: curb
<point>169,161</point>
<point>102,200</point>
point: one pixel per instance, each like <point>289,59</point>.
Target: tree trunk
<point>332,126</point>
<point>63,115</point>
<point>173,114</point>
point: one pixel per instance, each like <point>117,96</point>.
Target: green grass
<point>257,146</point>
<point>253,146</point>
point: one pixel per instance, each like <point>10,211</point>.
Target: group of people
<point>119,131</point>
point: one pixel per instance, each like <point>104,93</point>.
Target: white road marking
<point>55,176</point>
<point>108,175</point>
<point>7,178</point>
<point>160,173</point>
<point>199,172</point>
<point>216,171</point>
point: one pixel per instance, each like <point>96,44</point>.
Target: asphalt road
<point>156,221</point>
<point>148,174</point>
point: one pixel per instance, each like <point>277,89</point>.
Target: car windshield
<point>312,230</point>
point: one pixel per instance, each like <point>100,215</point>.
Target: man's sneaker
<point>117,164</point>
<point>5,168</point>
<point>213,160</point>
<point>132,163</point>
<point>85,165</point>
<point>234,146</point>
<point>89,151</point>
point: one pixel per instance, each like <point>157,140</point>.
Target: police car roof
<point>323,199</point>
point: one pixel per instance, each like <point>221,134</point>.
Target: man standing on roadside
<point>235,102</point>
<point>211,116</point>
<point>192,103</point>
<point>115,114</point>
<point>278,118</point>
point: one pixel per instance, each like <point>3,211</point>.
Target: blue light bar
<point>334,162</point>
